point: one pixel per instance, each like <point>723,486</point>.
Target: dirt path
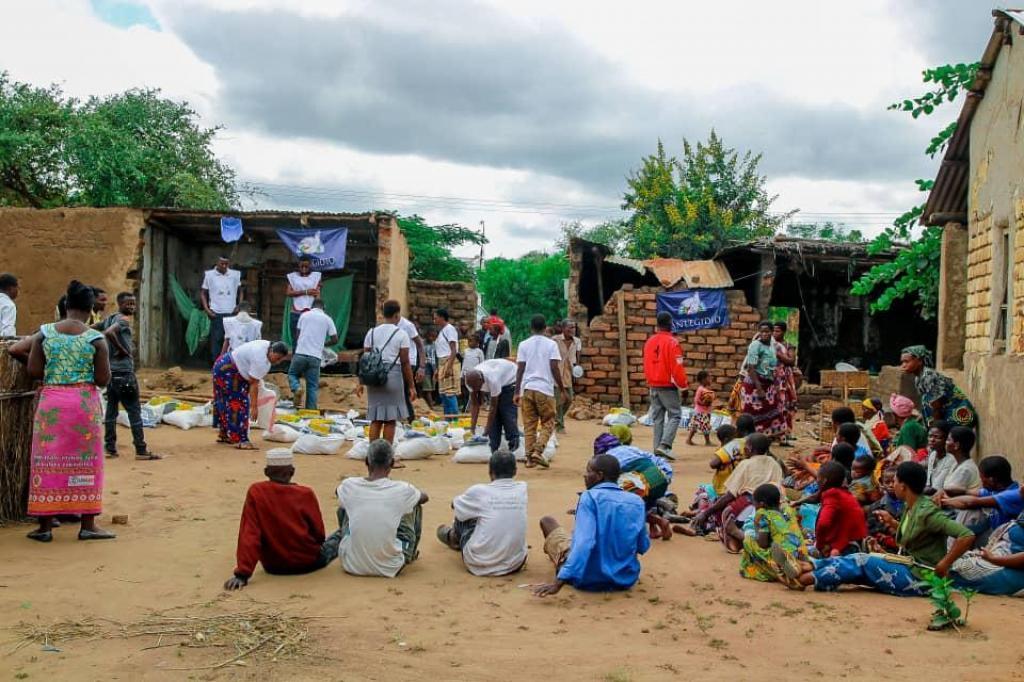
<point>690,615</point>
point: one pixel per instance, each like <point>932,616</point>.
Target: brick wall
<point>720,351</point>
<point>426,296</point>
<point>979,285</point>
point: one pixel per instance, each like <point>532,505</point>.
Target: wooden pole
<point>623,362</point>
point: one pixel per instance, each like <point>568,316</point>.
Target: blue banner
<point>325,247</point>
<point>693,309</point>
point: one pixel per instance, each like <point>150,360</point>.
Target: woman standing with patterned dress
<point>236,383</point>
<point>760,396</point>
<point>940,397</point>
<point>786,357</point>
<point>67,436</point>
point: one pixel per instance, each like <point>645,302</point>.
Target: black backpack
<point>371,370</point>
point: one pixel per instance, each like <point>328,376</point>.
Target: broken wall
<point>46,249</point>
<point>719,351</point>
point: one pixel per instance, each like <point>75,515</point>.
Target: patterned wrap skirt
<point>230,400</point>
<point>769,411</point>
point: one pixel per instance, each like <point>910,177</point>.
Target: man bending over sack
<point>495,382</point>
<point>381,519</point>
<point>281,526</point>
<point>490,520</point>
<point>601,554</point>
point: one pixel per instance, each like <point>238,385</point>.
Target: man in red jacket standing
<point>666,376</point>
<point>281,526</point>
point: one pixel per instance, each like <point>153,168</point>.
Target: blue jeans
<point>450,404</point>
<point>507,419</point>
<point>869,571</point>
<point>306,367</point>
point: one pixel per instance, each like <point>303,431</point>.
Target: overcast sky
<point>521,114</point>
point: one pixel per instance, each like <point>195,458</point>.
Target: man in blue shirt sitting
<point>998,502</point>
<point>610,532</point>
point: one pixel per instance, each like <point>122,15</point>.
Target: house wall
<point>46,249</point>
<point>720,351</point>
<point>392,264</point>
<point>426,296</point>
<point>953,298</point>
<point>994,368</point>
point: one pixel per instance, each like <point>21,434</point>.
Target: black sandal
<point>40,535</point>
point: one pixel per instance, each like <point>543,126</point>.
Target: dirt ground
<point>690,615</point>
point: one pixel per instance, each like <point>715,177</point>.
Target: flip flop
<point>247,446</point>
<point>96,535</point>
<point>40,535</point>
<point>541,462</point>
<point>790,568</point>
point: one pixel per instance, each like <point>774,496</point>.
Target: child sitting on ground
<point>874,421</point>
<point>775,532</point>
<point>840,525</point>
<point>703,398</point>
<point>863,486</point>
<point>880,537</point>
<point>733,439</point>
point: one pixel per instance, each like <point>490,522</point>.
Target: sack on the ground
<point>312,444</point>
<point>457,437</point>
<point>473,454</point>
<point>184,419</point>
<point>360,448</point>
<point>279,433</point>
<point>266,401</point>
<point>617,418</point>
<point>419,447</point>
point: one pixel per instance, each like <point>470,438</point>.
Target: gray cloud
<point>509,95</point>
<point>950,31</point>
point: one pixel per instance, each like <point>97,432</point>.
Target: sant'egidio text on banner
<point>326,247</point>
<point>693,309</point>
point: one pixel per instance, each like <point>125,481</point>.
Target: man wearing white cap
<point>281,526</point>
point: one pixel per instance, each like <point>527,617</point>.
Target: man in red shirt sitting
<point>841,522</point>
<point>665,374</point>
<point>281,526</point>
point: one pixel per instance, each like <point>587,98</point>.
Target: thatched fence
<point>17,402</point>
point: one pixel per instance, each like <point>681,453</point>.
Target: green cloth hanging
<point>336,294</point>
<point>198,322</point>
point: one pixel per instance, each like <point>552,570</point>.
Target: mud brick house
<point>978,201</point>
<point>131,249</point>
<point>812,276</point>
<point>458,298</point>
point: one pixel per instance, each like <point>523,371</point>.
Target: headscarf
<point>604,443</point>
<point>901,405</point>
<point>921,353</point>
<point>495,320</point>
<point>622,432</point>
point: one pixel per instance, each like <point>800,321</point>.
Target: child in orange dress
<point>703,398</point>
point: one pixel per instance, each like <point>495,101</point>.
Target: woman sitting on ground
<point>775,525</point>
<point>921,533</point>
<point>642,473</point>
<point>998,568</point>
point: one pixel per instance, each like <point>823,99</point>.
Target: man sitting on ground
<point>997,503</point>
<point>381,519</point>
<point>490,521</point>
<point>281,526</point>
<point>601,554</point>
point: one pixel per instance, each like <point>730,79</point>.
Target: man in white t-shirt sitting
<point>490,521</point>
<point>381,519</point>
<point>316,330</point>
<point>495,382</point>
<point>303,288</point>
<point>242,328</point>
<point>220,295</point>
<point>539,375</point>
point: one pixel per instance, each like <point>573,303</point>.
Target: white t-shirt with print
<point>537,352</point>
<point>251,359</point>
<point>498,543</point>
<point>378,338</point>
<point>445,338</point>
<point>410,330</point>
<point>498,374</point>
<point>374,508</point>
<point>222,290</point>
<point>238,332</point>
<point>300,283</point>
<point>315,327</point>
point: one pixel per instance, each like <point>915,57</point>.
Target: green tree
<point>613,233</point>
<point>523,287</point>
<point>691,207</point>
<point>914,273</point>
<point>430,249</point>
<point>131,149</point>
<point>828,231</point>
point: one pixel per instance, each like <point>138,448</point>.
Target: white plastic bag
<point>329,357</point>
<point>440,445</point>
<point>279,433</point>
<point>550,448</point>
<point>415,448</point>
<point>353,433</point>
<point>614,419</point>
<point>360,448</point>
<point>473,454</point>
<point>457,437</point>
<point>184,419</point>
<point>266,401</point>
<point>311,444</point>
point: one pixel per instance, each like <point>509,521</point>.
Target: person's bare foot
<point>686,529</point>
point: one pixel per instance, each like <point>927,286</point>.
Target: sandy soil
<point>691,614</point>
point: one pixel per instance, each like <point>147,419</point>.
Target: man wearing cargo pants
<point>666,376</point>
<point>538,376</point>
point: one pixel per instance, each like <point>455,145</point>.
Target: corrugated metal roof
<point>948,197</point>
<point>637,265</point>
<point>704,274</point>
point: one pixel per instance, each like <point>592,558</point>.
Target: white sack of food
<point>313,444</point>
<point>616,419</point>
<point>360,448</point>
<point>184,419</point>
<point>415,448</point>
<point>457,437</point>
<point>473,454</point>
<point>279,433</point>
<point>266,402</point>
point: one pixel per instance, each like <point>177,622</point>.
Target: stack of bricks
<point>719,351</point>
<point>426,296</point>
<point>979,285</point>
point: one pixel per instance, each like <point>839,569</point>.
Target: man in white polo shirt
<point>220,295</point>
<point>316,329</point>
<point>303,288</point>
<point>495,382</point>
<point>415,354</point>
<point>449,372</point>
<point>538,376</point>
